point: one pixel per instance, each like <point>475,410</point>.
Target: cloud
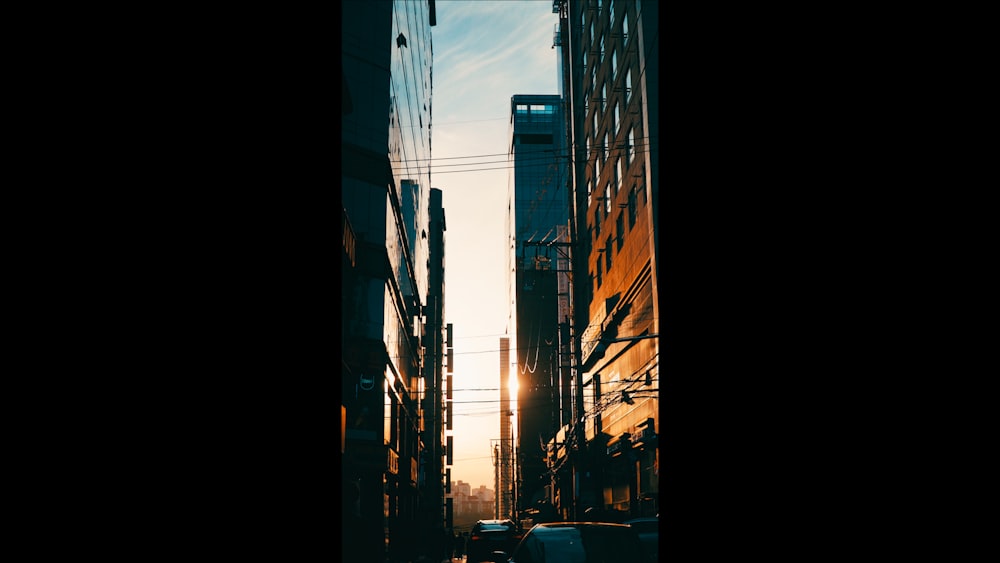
<point>489,43</point>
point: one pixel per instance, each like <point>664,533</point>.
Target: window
<point>617,120</point>
<point>614,62</point>
<point>598,271</point>
<point>522,109</point>
<point>611,10</point>
<point>615,177</point>
<point>607,199</point>
<point>630,146</point>
<point>597,168</point>
<point>628,83</point>
<point>601,60</point>
<point>620,231</point>
<point>607,254</point>
<point>625,25</point>
<point>597,222</point>
<point>604,96</point>
<point>631,207</point>
<point>619,177</point>
<point>593,130</point>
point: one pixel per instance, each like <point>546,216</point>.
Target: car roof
<point>580,525</point>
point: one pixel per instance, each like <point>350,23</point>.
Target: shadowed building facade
<point>390,288</point>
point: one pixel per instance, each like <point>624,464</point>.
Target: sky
<point>484,52</point>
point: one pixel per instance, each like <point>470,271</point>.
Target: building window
<point>598,271</point>
<point>593,76</point>
<point>604,96</point>
<point>625,24</point>
<point>597,222</point>
<point>613,126</point>
<point>611,10</point>
<point>619,177</point>
<point>620,231</point>
<point>628,83</point>
<point>607,199</point>
<point>601,60</point>
<point>615,171</point>
<point>607,254</point>
<point>614,62</point>
<point>597,167</point>
<point>608,141</point>
<point>631,207</point>
<point>617,122</point>
<point>630,147</point>
<point>593,130</point>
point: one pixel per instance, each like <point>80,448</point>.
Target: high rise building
<point>610,71</point>
<point>387,294</point>
<point>436,405</point>
<point>537,226</point>
<point>505,490</point>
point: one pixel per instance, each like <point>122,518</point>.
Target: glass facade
<point>538,213</point>
<point>385,191</point>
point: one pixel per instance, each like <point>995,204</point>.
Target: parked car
<point>580,542</point>
<point>488,536</point>
<point>649,533</point>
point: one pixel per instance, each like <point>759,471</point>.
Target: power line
<point>430,160</point>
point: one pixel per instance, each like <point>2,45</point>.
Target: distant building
<point>537,230</point>
<point>505,471</point>
<point>471,504</point>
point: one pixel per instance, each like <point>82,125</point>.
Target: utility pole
<point>496,481</point>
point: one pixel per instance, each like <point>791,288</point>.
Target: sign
<point>589,341</point>
<point>618,445</point>
<point>367,382</point>
<point>392,461</point>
